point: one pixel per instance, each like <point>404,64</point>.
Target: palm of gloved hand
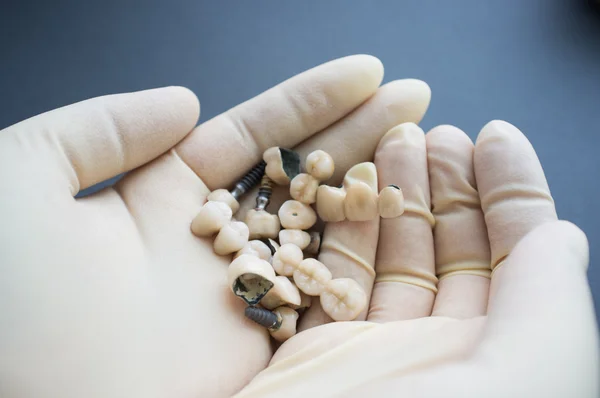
<point>531,332</point>
<point>111,295</point>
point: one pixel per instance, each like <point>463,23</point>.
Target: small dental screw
<point>261,223</point>
<point>249,180</point>
<point>263,317</point>
<point>264,193</point>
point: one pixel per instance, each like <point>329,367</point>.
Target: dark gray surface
<point>535,63</point>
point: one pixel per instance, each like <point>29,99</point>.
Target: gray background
<point>535,63</point>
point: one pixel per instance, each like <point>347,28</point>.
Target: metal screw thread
<point>263,317</point>
<point>264,193</point>
<point>249,180</point>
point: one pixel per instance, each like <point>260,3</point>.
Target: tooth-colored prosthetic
<point>343,299</point>
<point>282,164</point>
<point>256,248</point>
<point>231,238</point>
<point>305,302</point>
<point>262,224</point>
<point>287,258</point>
<point>296,215</point>
<point>250,278</point>
<point>365,172</point>
<point>296,236</point>
<point>311,276</point>
<point>223,195</point>
<point>330,203</point>
<point>319,164</point>
<point>304,187</point>
<point>274,168</point>
<point>288,318</point>
<point>284,292</point>
<point>360,203</point>
<point>391,202</point>
<point>211,218</point>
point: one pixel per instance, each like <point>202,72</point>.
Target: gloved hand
<point>111,295</point>
<point>528,332</point>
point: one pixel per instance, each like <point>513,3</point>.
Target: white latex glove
<point>111,295</point>
<point>537,335</point>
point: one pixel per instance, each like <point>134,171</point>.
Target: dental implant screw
<point>263,317</point>
<point>264,193</point>
<point>249,180</point>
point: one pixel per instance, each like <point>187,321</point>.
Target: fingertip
<point>552,240</point>
<point>553,255</point>
<point>187,100</point>
<point>445,130</point>
<point>448,136</point>
<point>372,65</point>
<point>422,91</point>
<point>407,133</point>
<point>407,97</point>
<point>362,71</point>
<point>578,244</point>
<point>513,190</point>
<point>497,130</point>
<point>562,232</point>
<point>178,104</point>
<point>500,139</point>
<point>418,85</point>
<point>189,96</point>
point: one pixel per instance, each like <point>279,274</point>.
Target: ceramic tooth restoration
<point>343,299</point>
<point>224,196</point>
<point>250,278</point>
<point>330,203</point>
<point>231,238</point>
<point>391,202</point>
<point>261,223</point>
<point>211,218</point>
<point>298,237</point>
<point>303,188</point>
<point>284,292</point>
<point>288,319</point>
<point>296,215</point>
<point>287,258</point>
<point>282,164</point>
<point>311,276</point>
<point>360,203</point>
<point>360,183</point>
<point>319,164</point>
<point>256,248</point>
